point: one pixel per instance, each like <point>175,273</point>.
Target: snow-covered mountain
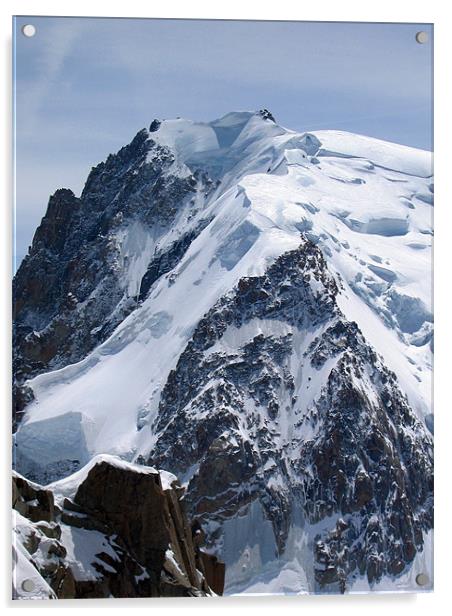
<point>250,308</point>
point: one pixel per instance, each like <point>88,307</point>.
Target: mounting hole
<point>28,585</point>
<point>28,30</point>
<point>422,579</point>
<point>422,37</point>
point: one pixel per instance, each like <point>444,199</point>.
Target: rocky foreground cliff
<point>111,530</point>
<point>247,307</point>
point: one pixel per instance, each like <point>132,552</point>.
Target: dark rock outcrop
<point>267,115</point>
<point>121,534</point>
<point>131,505</point>
<point>214,571</point>
<point>32,501</point>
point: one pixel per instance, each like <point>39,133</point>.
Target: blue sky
<point>84,87</point>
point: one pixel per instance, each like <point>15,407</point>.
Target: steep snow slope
<point>349,214</point>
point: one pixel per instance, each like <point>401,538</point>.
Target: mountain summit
<point>247,307</point>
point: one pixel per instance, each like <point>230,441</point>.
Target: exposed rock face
<point>121,534</point>
<point>230,469</point>
<point>369,456</point>
<point>368,464</point>
<point>31,500</point>
<point>138,516</point>
<point>69,291</point>
<point>214,571</point>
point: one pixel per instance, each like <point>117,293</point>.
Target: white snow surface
<point>382,153</point>
<point>368,205</point>
<point>82,548</point>
<point>68,486</point>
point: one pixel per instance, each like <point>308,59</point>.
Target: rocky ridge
<point>122,532</point>
<point>368,459</point>
<point>69,292</point>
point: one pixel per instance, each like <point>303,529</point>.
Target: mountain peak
<point>248,307</point>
